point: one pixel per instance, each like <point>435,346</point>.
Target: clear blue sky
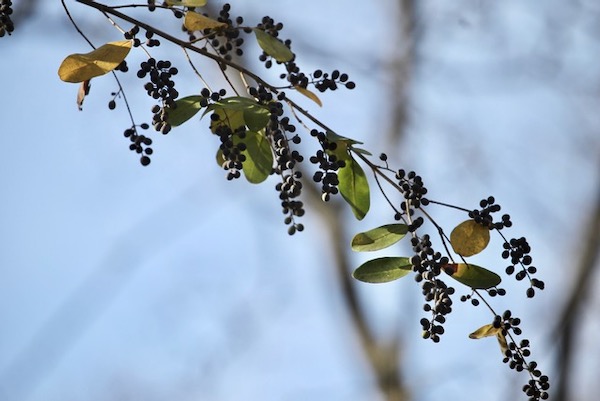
<point>168,282</point>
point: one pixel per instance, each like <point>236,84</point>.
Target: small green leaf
<point>472,276</point>
<point>383,270</point>
<point>333,137</point>
<point>273,46</point>
<point>256,117</point>
<point>238,111</point>
<point>259,157</point>
<point>186,108</point>
<point>83,67</point>
<point>469,238</point>
<point>234,119</point>
<point>187,3</point>
<point>354,188</point>
<point>362,151</point>
<point>379,238</point>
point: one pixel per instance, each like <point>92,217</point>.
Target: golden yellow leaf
<point>485,331</point>
<point>469,238</point>
<point>309,95</point>
<point>489,330</point>
<point>198,22</point>
<point>82,67</point>
<point>187,3</point>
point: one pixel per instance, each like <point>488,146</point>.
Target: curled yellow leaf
<point>82,67</point>
<point>197,22</point>
<point>309,95</point>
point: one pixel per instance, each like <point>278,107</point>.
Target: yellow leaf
<point>198,22</point>
<point>82,67</point>
<point>489,330</point>
<point>485,331</point>
<point>469,238</point>
<point>309,95</point>
<point>187,3</point>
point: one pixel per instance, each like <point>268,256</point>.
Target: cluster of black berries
<point>324,81</point>
<point>484,216</point>
<point>150,40</point>
<point>162,87</point>
<point>286,160</point>
<point>516,354</point>
<point>139,143</point>
<point>226,40</point>
<point>428,265</point>
<point>328,165</point>
<point>6,24</point>
<point>272,28</point>
<point>517,250</point>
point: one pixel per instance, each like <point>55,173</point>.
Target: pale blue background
<point>169,283</point>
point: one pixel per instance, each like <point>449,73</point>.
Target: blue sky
<point>168,282</point>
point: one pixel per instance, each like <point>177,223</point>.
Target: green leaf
<point>239,111</point>
<point>469,238</point>
<point>259,157</point>
<point>273,46</point>
<point>198,22</point>
<point>82,67</point>
<point>472,276</point>
<point>354,188</point>
<point>186,108</point>
<point>187,3</point>
<point>383,270</point>
<point>256,117</point>
<point>379,238</point>
<point>333,137</point>
<point>362,151</point>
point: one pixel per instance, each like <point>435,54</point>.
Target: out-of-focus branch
<point>571,316</point>
<point>402,67</point>
<point>383,356</point>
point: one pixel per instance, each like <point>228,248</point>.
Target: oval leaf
<point>256,117</point>
<point>354,188</point>
<point>309,95</point>
<point>82,67</point>
<point>472,276</point>
<point>186,108</point>
<point>187,3</point>
<point>273,46</point>
<point>383,270</point>
<point>469,238</point>
<point>379,238</point>
<point>259,157</point>
<point>198,22</point>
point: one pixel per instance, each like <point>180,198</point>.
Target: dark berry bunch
<point>160,87</point>
<point>272,28</point>
<point>411,186</point>
<point>515,355</point>
<point>226,40</point>
<point>324,81</point>
<point>484,216</point>
<point>139,143</point>
<point>6,24</point>
<point>428,265</point>
<point>517,250</point>
<point>328,165</point>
